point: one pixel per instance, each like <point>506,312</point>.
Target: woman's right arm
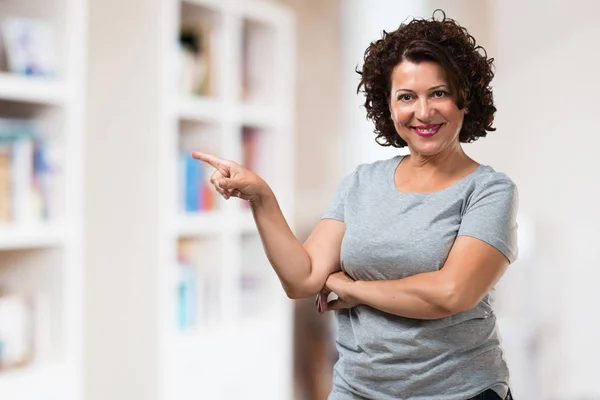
<point>302,269</point>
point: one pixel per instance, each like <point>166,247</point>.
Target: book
<point>190,181</point>
<point>195,191</point>
<point>22,180</point>
<point>26,173</point>
<point>198,281</point>
<point>16,331</point>
<point>5,183</point>
<point>258,62</point>
<point>195,57</point>
<point>28,45</point>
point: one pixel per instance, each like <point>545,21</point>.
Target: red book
<point>208,196</point>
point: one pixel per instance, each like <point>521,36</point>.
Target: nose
<point>424,112</point>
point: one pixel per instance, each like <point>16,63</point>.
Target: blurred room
<point>124,276</point>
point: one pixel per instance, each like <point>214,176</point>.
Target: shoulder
<point>489,182</point>
<point>368,171</point>
<point>367,176</point>
<point>488,176</point>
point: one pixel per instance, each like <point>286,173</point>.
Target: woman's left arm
<point>472,269</point>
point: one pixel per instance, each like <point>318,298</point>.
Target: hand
<point>231,179</point>
<point>339,284</point>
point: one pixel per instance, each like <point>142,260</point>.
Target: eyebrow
<point>430,89</point>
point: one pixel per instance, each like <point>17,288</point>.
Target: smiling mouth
<point>426,130</point>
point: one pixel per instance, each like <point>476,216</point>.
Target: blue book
<point>191,184</point>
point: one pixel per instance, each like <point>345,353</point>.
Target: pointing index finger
<point>208,158</point>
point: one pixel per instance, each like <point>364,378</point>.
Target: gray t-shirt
<point>390,235</point>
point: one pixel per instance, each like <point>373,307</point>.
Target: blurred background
<point>122,275</point>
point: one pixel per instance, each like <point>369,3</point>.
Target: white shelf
<point>204,109</point>
<point>200,109</point>
<point>202,223</point>
<point>259,115</point>
<point>33,383</point>
<point>213,222</point>
<point>14,237</point>
<point>198,339</point>
<point>31,90</point>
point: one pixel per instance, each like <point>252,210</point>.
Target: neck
<point>446,162</point>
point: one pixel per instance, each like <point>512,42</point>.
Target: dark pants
<point>491,395</point>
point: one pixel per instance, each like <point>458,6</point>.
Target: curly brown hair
<point>468,69</point>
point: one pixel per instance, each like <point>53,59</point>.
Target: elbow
<point>297,293</point>
<point>290,292</point>
<point>302,288</point>
<point>454,307</point>
<point>458,302</point>
<point>293,294</point>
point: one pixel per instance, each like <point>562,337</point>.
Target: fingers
<point>323,305</point>
<point>228,178</point>
<point>225,186</point>
<point>227,167</point>
<point>318,303</point>
<point>337,304</point>
<point>323,302</point>
<point>217,181</point>
<point>208,158</point>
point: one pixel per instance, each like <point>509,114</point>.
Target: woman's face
<point>424,109</point>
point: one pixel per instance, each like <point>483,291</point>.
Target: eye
<point>404,97</point>
<point>438,94</point>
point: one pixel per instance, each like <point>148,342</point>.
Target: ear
<point>466,107</point>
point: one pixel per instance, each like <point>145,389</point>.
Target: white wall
<point>546,89</point>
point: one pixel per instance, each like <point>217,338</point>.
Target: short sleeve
<point>337,205</point>
<point>491,216</point>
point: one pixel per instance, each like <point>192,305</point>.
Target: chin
<point>430,149</point>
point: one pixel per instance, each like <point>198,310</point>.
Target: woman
<point>411,245</point>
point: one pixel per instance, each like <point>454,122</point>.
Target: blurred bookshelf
<point>41,140</point>
<point>228,90</point>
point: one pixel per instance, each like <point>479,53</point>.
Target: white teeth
<point>429,130</point>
